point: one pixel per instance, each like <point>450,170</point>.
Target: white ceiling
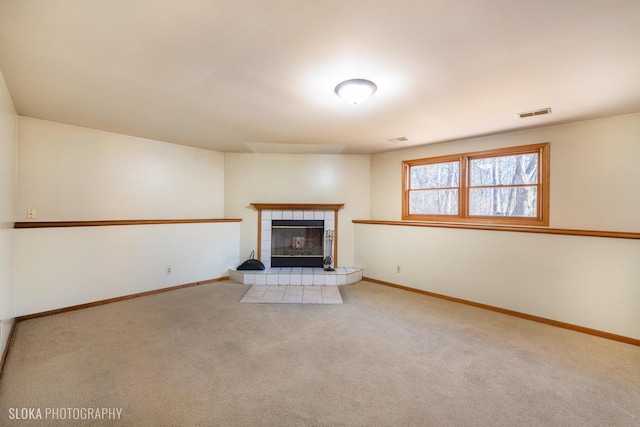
<point>259,75</point>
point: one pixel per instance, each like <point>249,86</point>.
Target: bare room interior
<point>443,197</point>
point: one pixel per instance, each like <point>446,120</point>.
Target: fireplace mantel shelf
<point>298,206</point>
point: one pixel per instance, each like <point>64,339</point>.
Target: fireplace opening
<point>297,243</point>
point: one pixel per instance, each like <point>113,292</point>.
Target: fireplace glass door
<point>297,243</point>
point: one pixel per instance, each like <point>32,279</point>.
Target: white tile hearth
<point>292,295</point>
<point>297,276</point>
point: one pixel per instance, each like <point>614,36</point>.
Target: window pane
<point>437,175</point>
<point>433,202</point>
<point>511,201</point>
<point>506,170</point>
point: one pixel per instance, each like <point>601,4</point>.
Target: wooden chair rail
<point>520,229</point>
<point>54,224</point>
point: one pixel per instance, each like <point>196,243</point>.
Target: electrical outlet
<point>398,269</point>
<point>168,270</point>
<point>31,214</point>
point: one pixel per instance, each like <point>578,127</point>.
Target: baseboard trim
<point>595,332</point>
<point>6,348</point>
<point>112,300</point>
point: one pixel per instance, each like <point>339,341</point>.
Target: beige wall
<point>73,173</point>
<point>297,178</point>
<point>7,207</point>
<point>594,172</point>
<point>62,267</point>
<point>586,281</point>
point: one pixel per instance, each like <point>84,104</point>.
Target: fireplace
<point>302,241</point>
<point>297,243</point>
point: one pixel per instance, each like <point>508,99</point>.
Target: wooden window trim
<point>542,217</point>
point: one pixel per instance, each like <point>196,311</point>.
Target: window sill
<point>498,221</point>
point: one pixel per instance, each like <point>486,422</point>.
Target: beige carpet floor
<point>386,357</point>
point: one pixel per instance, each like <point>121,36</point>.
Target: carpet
<point>386,357</point>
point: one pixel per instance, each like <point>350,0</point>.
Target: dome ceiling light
<point>355,91</point>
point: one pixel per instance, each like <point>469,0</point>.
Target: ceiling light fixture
<point>355,91</point>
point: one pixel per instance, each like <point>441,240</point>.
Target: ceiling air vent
<point>399,139</point>
<point>535,113</point>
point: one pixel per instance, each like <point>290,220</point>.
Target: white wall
<point>297,178</point>
<point>71,173</point>
<point>7,207</point>
<point>62,267</point>
<point>594,173</point>
<point>587,281</point>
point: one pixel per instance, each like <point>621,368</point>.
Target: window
<point>504,186</point>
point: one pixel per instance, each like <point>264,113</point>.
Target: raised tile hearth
<point>298,276</point>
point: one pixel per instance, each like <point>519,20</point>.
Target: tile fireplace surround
<point>305,276</point>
